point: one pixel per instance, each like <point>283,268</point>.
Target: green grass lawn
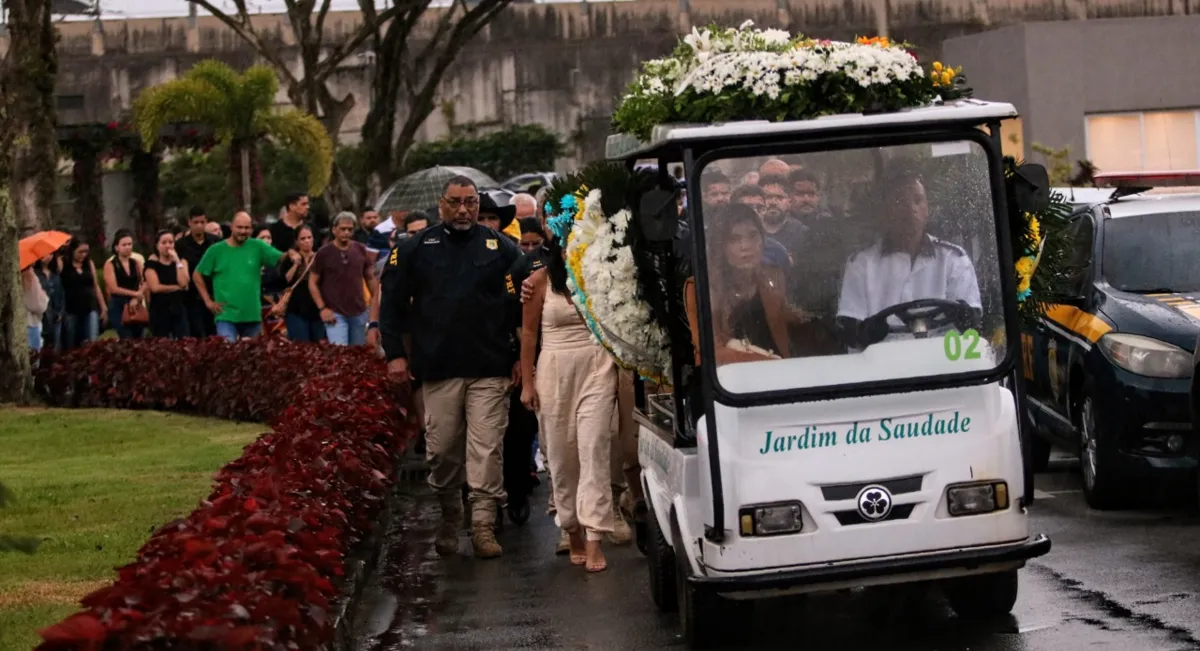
<point>92,485</point>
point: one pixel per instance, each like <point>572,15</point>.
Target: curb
<point>361,563</point>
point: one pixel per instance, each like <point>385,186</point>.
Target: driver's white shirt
<point>875,280</point>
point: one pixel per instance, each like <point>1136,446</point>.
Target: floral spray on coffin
<point>719,75</point>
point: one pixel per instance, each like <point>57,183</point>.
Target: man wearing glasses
<point>443,318</point>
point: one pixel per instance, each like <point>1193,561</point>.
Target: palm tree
<point>240,110</point>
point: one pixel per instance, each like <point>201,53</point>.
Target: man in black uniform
<point>522,423</point>
<point>445,307</point>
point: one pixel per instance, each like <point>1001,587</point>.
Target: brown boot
<point>447,537</point>
<point>564,543</point>
<point>621,534</point>
<point>483,537</point>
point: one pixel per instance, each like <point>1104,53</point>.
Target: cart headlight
<point>771,519</point>
<point>1146,356</point>
<point>974,499</point>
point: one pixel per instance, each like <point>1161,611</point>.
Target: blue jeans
<point>302,329</point>
<point>348,330</point>
<point>35,337</point>
<point>80,329</point>
<point>234,331</point>
<point>116,309</point>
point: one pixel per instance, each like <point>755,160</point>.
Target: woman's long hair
<point>556,267</point>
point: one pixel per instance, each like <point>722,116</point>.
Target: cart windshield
<point>851,266</point>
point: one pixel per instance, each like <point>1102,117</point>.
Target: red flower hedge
<point>256,565</point>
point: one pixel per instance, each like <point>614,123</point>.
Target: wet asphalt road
<point>1126,581</point>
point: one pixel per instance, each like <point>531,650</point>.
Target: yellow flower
<point>947,77</point>
<point>937,66</point>
<point>881,41</point>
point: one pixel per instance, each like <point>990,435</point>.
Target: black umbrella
<point>420,190</point>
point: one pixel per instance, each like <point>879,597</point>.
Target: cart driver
<point>904,265</point>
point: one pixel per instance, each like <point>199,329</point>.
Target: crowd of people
<point>448,297</point>
<point>236,279</point>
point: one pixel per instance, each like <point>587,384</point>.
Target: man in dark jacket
<point>445,316</point>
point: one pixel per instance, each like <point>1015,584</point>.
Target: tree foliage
<point>192,177</point>
<point>500,154</point>
<point>409,68</point>
<point>240,110</point>
<point>409,64</point>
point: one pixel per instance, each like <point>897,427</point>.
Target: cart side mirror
<point>658,214</point>
<point>1031,188</point>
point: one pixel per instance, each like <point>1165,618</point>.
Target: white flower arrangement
<point>603,282</point>
<point>747,73</point>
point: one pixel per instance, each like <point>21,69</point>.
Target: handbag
<point>276,325</point>
<point>135,314</point>
<point>282,303</point>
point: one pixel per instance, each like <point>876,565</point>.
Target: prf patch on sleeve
<point>508,283</point>
<point>395,257</point>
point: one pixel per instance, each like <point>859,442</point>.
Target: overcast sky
<point>150,8</point>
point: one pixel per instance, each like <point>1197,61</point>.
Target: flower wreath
<point>586,213</point>
<point>1041,245</point>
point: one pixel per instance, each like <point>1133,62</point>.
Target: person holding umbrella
<point>37,301</point>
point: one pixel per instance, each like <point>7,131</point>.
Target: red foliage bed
<point>257,564</point>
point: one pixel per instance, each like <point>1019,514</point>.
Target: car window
<point>1153,253</point>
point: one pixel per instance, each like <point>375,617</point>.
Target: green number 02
<point>953,344</point>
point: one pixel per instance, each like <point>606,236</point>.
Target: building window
<point>1144,141</point>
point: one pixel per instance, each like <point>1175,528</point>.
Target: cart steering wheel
<point>924,316</point>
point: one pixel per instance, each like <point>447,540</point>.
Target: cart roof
<point>668,140</point>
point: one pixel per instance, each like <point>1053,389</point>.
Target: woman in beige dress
<point>574,392</point>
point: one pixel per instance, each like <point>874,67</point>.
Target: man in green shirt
<point>236,266</point>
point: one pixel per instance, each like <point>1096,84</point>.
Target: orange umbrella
<point>40,245</point>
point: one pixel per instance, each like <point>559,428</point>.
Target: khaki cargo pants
<point>626,468</point>
<point>465,419</point>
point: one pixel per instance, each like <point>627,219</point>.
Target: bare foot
<point>579,551</point>
<point>595,557</point>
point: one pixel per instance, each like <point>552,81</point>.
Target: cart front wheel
<point>661,564</point>
<point>987,595</point>
<point>698,610</point>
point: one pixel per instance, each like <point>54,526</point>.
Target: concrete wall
<point>563,65</point>
<point>1058,73</point>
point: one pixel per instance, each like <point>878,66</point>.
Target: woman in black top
<point>84,304</point>
<point>302,316</point>
<point>123,277</point>
<point>167,279</point>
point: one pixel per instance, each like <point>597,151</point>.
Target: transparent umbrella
<point>420,190</point>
